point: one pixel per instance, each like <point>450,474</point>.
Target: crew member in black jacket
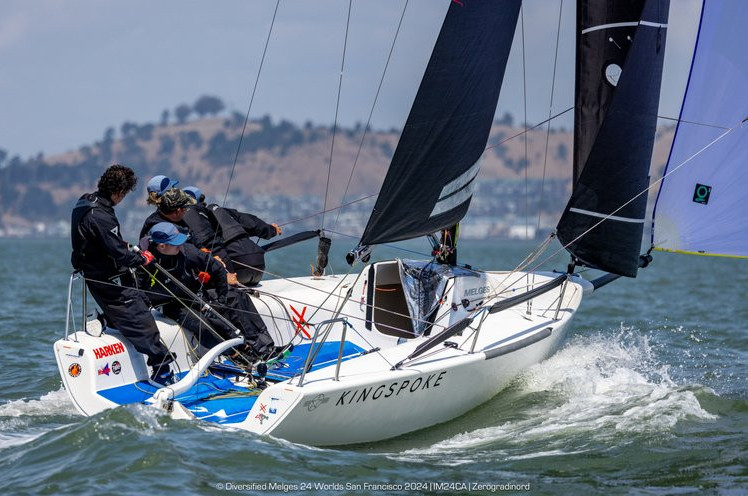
<point>235,229</point>
<point>171,206</point>
<point>101,254</point>
<point>199,272</point>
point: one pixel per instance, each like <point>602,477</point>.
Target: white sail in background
<point>701,207</point>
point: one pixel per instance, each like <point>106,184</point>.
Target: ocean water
<point>648,396</point>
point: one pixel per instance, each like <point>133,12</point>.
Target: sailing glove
<point>148,256</point>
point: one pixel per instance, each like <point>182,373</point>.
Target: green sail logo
<point>701,193</point>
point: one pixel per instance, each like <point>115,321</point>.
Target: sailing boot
<point>162,376</point>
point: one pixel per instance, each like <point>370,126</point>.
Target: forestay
<point>430,181</point>
<point>701,205</point>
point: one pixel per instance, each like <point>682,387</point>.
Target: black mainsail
<point>430,181</point>
<point>620,50</point>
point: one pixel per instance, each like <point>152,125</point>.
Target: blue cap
<point>167,233</point>
<point>193,191</point>
<point>159,184</point>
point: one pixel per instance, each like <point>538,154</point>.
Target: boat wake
<point>610,389</point>
<point>53,403</point>
<point>21,421</point>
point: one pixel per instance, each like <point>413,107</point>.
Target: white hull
<point>381,404</point>
<point>369,400</point>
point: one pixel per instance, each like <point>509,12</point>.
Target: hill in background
<point>279,170</point>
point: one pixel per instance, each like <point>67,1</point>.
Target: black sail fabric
<point>429,183</point>
<point>600,56</point>
<point>603,222</point>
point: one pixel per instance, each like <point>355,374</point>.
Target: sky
<point>69,69</point>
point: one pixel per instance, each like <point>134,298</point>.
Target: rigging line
<point>251,101</point>
<point>550,111</point>
<point>327,293</point>
<point>388,245</point>
<point>246,119</point>
<point>272,295</point>
<point>321,212</point>
<point>530,258</point>
<point>196,314</point>
<point>176,335</point>
<point>342,300</point>
<point>524,103</point>
<point>691,122</point>
<point>181,300</point>
<point>528,129</point>
<point>184,302</point>
<point>655,183</point>
<point>334,291</point>
<point>371,113</point>
<point>337,107</point>
<point>279,301</point>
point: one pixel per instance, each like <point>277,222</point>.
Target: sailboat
<point>401,345</point>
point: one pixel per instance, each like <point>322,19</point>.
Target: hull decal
<point>395,388</point>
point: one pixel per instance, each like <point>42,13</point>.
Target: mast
<point>429,184</point>
<point>620,50</point>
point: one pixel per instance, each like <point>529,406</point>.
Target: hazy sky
<point>71,68</point>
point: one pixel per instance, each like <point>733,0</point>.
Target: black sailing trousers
<point>127,312</point>
<point>238,309</point>
<point>248,259</point>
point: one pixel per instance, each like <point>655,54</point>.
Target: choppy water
<point>649,396</point>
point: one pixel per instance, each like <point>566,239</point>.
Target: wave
<point>601,388</point>
<point>53,403</point>
<point>22,421</point>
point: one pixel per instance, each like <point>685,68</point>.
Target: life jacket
<point>230,228</point>
<point>198,221</point>
<point>84,205</point>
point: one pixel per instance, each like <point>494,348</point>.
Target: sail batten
<point>430,181</point>
<point>623,25</point>
<point>607,216</point>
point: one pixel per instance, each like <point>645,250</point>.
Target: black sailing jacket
<point>185,266</point>
<point>98,248</point>
<point>155,218</point>
<point>201,231</point>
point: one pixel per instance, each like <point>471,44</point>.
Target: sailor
<point>202,224</point>
<point>236,230</point>
<point>157,186</point>
<point>204,231</point>
<point>100,253</point>
<point>171,206</point>
<point>200,273</point>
